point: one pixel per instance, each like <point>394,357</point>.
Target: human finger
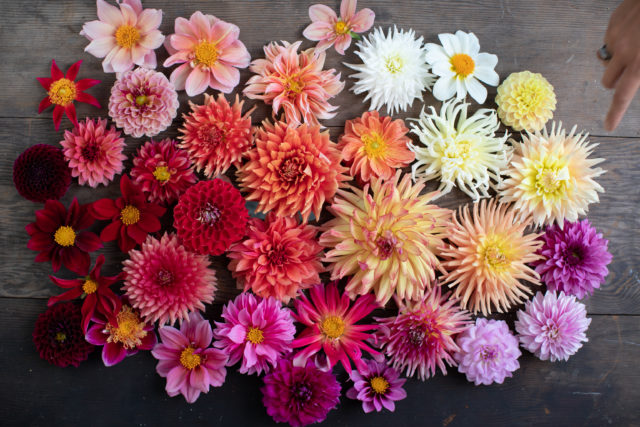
<point>614,69</point>
<point>626,89</point>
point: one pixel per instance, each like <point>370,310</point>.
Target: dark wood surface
<point>598,386</point>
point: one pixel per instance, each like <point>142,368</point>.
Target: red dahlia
<point>41,173</point>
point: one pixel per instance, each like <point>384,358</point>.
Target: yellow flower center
<point>462,64</point>
<point>127,36</point>
<point>142,100</point>
<point>458,150</point>
<point>495,253</point>
<point>549,180</point>
<point>206,53</point>
<point>394,64</point>
<point>374,144</point>
<point>162,174</point>
<point>188,359</point>
<point>62,92</point>
<point>341,28</point>
<point>379,385</point>
<point>89,286</point>
<point>129,215</point>
<point>60,336</point>
<point>293,86</point>
<point>332,327</point>
<point>130,329</point>
<point>255,336</point>
<point>65,236</point>
<point>530,95</point>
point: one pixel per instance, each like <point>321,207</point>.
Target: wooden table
<point>599,385</point>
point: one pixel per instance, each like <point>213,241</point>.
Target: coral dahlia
<point>526,101</point>
<point>377,386</point>
<point>40,173</point>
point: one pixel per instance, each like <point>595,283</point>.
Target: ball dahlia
<point>40,173</point>
<point>377,386</point>
<point>526,101</point>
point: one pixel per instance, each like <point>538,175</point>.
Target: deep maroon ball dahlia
<point>41,173</point>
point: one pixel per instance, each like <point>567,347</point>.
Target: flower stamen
<point>206,53</point>
<point>162,174</point>
<point>127,36</point>
<point>332,327</point>
<point>130,215</point>
<point>255,336</point>
<point>462,64</point>
<point>62,92</point>
<point>379,385</point>
<point>65,236</point>
<point>189,359</point>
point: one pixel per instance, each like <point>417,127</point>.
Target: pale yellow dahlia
<point>526,101</point>
<point>551,176</point>
<point>386,237</point>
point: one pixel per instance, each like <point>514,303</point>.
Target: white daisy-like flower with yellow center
<point>461,67</point>
<point>462,151</point>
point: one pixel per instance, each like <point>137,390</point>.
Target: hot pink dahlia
<point>377,386</point>
<point>553,326</point>
<point>165,281</point>
<point>143,102</point>
<point>255,330</point>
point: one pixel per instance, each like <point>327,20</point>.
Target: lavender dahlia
<point>377,386</point>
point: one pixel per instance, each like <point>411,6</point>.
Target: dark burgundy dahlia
<point>41,173</point>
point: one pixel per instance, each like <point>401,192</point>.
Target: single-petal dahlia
<point>57,234</point>
<point>551,176</point>
<point>278,257</point>
<point>375,146</point>
<point>462,151</point>
<point>186,360</point>
<point>94,152</point>
<point>143,102</point>
<point>296,82</point>
<point>292,169</point>
<point>488,352</point>
<point>422,336</point>
<point>386,241</point>
<point>162,171</point>
<point>487,257</point>
<point>299,395</point>
<point>553,326</point>
<point>58,336</point>
<point>210,53</point>
<point>377,386</point>
<point>216,135</point>
<point>166,282</point>
<point>575,258</point>
<point>394,70</point>
<point>332,326</point>
<point>526,101</point>
<point>256,331</point>
<point>210,216</point>
<point>40,173</point>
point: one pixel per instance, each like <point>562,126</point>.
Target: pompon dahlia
<point>143,102</point>
<point>299,395</point>
<point>166,282</point>
<point>551,176</point>
<point>422,336</point>
<point>375,146</point>
<point>387,240</point>
<point>256,331</point>
<point>296,82</point>
<point>462,151</point>
<point>94,152</point>
<point>377,387</point>
<point>58,336</point>
<point>487,256</point>
<point>278,257</point>
<point>526,101</point>
<point>162,171</point>
<point>394,70</point>
<point>210,216</point>
<point>40,173</point>
<point>292,169</point>
<point>575,258</point>
<point>216,134</point>
<point>553,326</point>
<point>488,352</point>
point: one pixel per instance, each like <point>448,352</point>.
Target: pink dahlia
<point>377,386</point>
<point>165,281</point>
<point>553,326</point>
<point>186,360</point>
<point>162,171</point>
<point>488,352</point>
<point>255,330</point>
<point>143,102</point>
<point>210,53</point>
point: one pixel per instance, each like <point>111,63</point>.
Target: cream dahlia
<point>526,101</point>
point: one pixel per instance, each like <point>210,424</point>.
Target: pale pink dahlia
<point>143,102</point>
<point>255,330</point>
<point>94,152</point>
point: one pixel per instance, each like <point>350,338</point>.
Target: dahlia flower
<point>255,330</point>
<point>488,352</point>
<point>526,101</point>
<point>575,258</point>
<point>216,134</point>
<point>299,395</point>
<point>143,102</point>
<point>186,360</point>
<point>124,37</point>
<point>553,326</point>
<point>386,241</point>
<point>210,53</point>
<point>94,152</point>
<point>40,173</point>
<point>487,256</point>
<point>394,70</point>
<point>296,82</point>
<point>165,281</point>
<point>291,169</point>
<point>460,67</point>
<point>210,216</point>
<point>460,150</point>
<point>551,176</point>
<point>278,257</point>
<point>377,386</point>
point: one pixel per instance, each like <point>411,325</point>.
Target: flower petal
<point>320,12</point>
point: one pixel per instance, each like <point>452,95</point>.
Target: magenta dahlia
<point>40,173</point>
<point>377,386</point>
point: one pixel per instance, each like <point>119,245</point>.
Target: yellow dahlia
<point>551,176</point>
<point>387,241</point>
<point>487,256</point>
<point>526,101</point>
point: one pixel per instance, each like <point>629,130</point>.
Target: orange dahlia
<point>292,169</point>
